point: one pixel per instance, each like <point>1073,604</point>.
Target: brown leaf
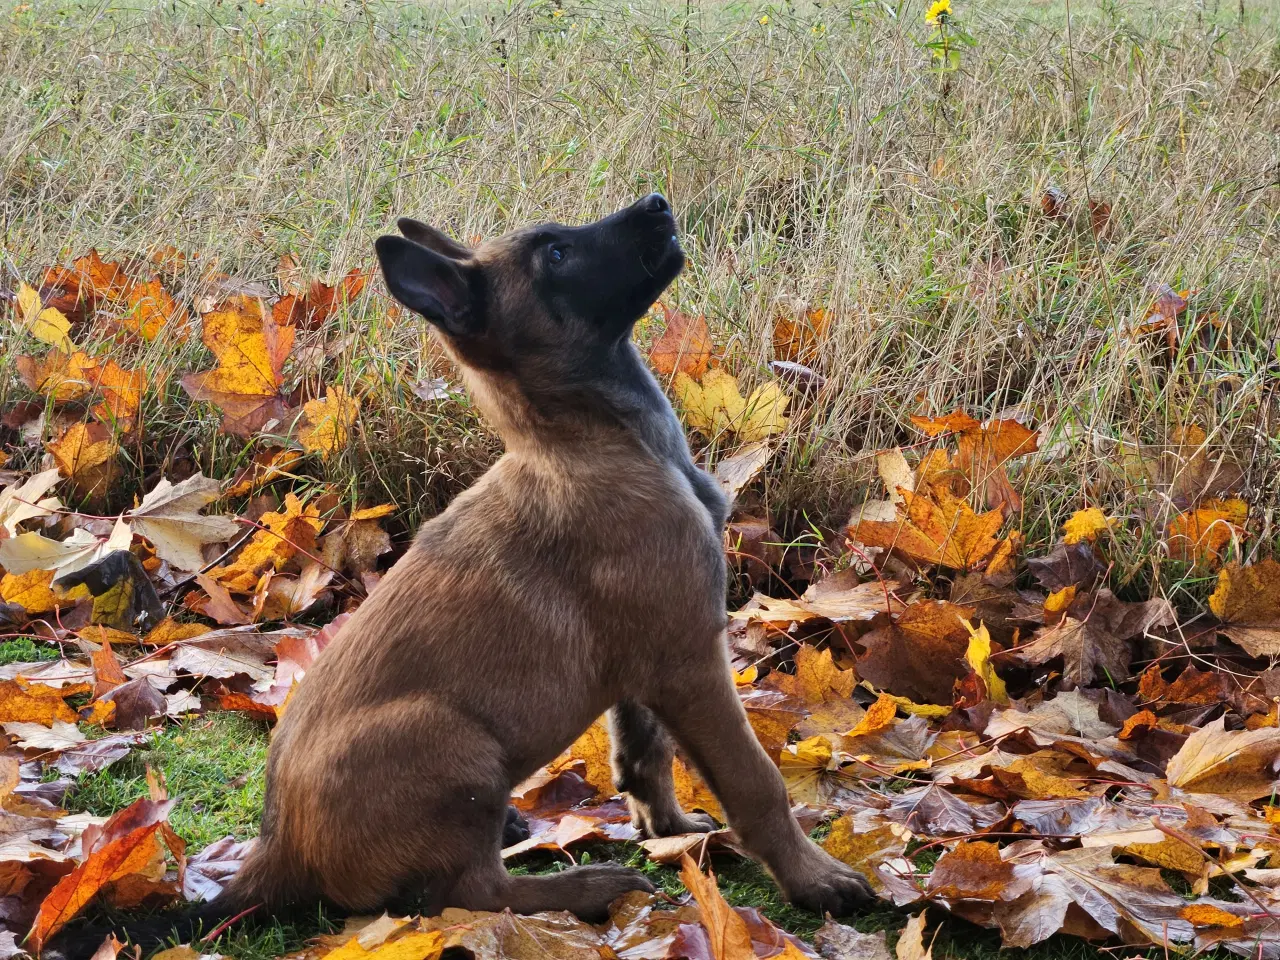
<point>799,340</point>
<point>1247,601</point>
<point>684,347</point>
<point>910,944</point>
<point>1087,651</point>
<point>838,598</point>
<point>920,654</point>
<point>309,311</point>
<point>982,452</point>
<point>1230,763</point>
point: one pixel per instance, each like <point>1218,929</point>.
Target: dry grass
<point>815,158</point>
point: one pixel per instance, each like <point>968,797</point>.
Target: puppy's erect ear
<point>428,283</point>
<point>432,239</point>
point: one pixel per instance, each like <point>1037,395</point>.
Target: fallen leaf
<point>1201,536</point>
<point>982,452</point>
<point>86,455</point>
<point>1087,652</point>
<point>684,347</point>
<point>1086,526</point>
<point>911,941</point>
<point>938,529</point>
<point>251,348</point>
<point>281,537</point>
<point>1247,601</point>
<point>978,656</point>
<point>121,394</point>
<point>730,939</point>
<point>800,340</point>
<point>920,654</point>
<point>1229,763</point>
<point>60,376</point>
<point>329,422</point>
<point>169,516</point>
<point>716,407</point>
<point>44,323</point>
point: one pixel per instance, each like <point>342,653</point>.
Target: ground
<point>842,157</point>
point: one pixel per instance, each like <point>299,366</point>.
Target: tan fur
<point>583,571</point>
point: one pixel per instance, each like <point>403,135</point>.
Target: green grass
<point>813,159</point>
<point>26,650</point>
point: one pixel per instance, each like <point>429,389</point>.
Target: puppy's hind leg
<point>584,891</point>
<point>642,752</point>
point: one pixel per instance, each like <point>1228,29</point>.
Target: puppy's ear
<point>433,239</point>
<point>428,283</point>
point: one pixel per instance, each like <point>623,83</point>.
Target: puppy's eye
<point>557,255</point>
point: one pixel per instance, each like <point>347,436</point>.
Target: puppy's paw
<point>601,884</point>
<point>832,888</point>
<point>673,824</point>
<point>515,829</point>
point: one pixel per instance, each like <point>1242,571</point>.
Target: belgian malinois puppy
<point>583,573</point>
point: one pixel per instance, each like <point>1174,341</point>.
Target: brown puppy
<point>583,573</point>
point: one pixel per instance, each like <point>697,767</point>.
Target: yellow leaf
<point>251,348</point>
<point>979,658</point>
<point>1086,525</point>
<point>286,535</point>
<point>43,323</point>
<point>412,946</point>
<point>1202,535</point>
<point>30,591</point>
<point>716,406</point>
<point>35,703</point>
<point>1247,601</point>
<point>938,528</point>
<point>329,422</point>
<point>880,716</point>
<point>84,452</point>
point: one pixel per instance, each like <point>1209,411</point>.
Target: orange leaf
<point>58,376</point>
<point>151,309</point>
<point>1202,535</point>
<point>684,347</point>
<point>121,393</point>
<point>286,534</point>
<point>251,348</point>
<point>879,717</point>
<point>35,703</point>
<point>729,937</point>
<point>85,453</point>
<point>799,340</point>
<point>321,300</point>
<point>29,590</point>
<point>267,466</point>
<point>940,529</point>
<point>123,856</point>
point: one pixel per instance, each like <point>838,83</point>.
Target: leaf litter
<point>1057,743</point>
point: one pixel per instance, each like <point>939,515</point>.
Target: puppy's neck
<point>610,403</point>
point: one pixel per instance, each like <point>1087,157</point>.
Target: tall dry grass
<point>816,158</point>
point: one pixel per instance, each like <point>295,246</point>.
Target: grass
<point>816,158</point>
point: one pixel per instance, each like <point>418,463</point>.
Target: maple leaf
<point>978,656</point>
<point>1086,526</point>
<point>799,340</point>
<point>910,944</point>
<point>30,590</point>
<point>865,850</point>
<point>684,347</point>
<point>936,529</point>
<point>838,598</point>
<point>123,596</point>
<point>356,545</point>
<point>31,551</point>
<point>26,501</point>
<point>308,311</point>
<point>86,455</point>
<point>983,450</point>
<point>60,376</point>
<point>33,703</point>
<point>737,471</point>
<point>151,310</point>
<point>728,933</point>
<point>1247,601</point>
<point>127,844</point>
<point>716,406</point>
<point>920,654</point>
<point>44,323</point>
<point>169,516</point>
<point>329,422</point>
<point>817,677</point>
<point>284,536</point>
<point>288,596</point>
<point>121,394</point>
<point>1230,763</point>
<point>1201,536</point>
<point>251,348</point>
<point>1087,652</point>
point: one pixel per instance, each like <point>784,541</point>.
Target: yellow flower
<point>935,11</point>
<point>764,20</point>
<point>557,13</point>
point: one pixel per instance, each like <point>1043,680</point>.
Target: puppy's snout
<point>655,203</point>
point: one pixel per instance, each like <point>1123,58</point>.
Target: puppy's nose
<point>656,203</point>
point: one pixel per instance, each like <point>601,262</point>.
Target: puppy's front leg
<point>642,753</point>
<point>702,710</point>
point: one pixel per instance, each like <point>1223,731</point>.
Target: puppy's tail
<point>256,890</point>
